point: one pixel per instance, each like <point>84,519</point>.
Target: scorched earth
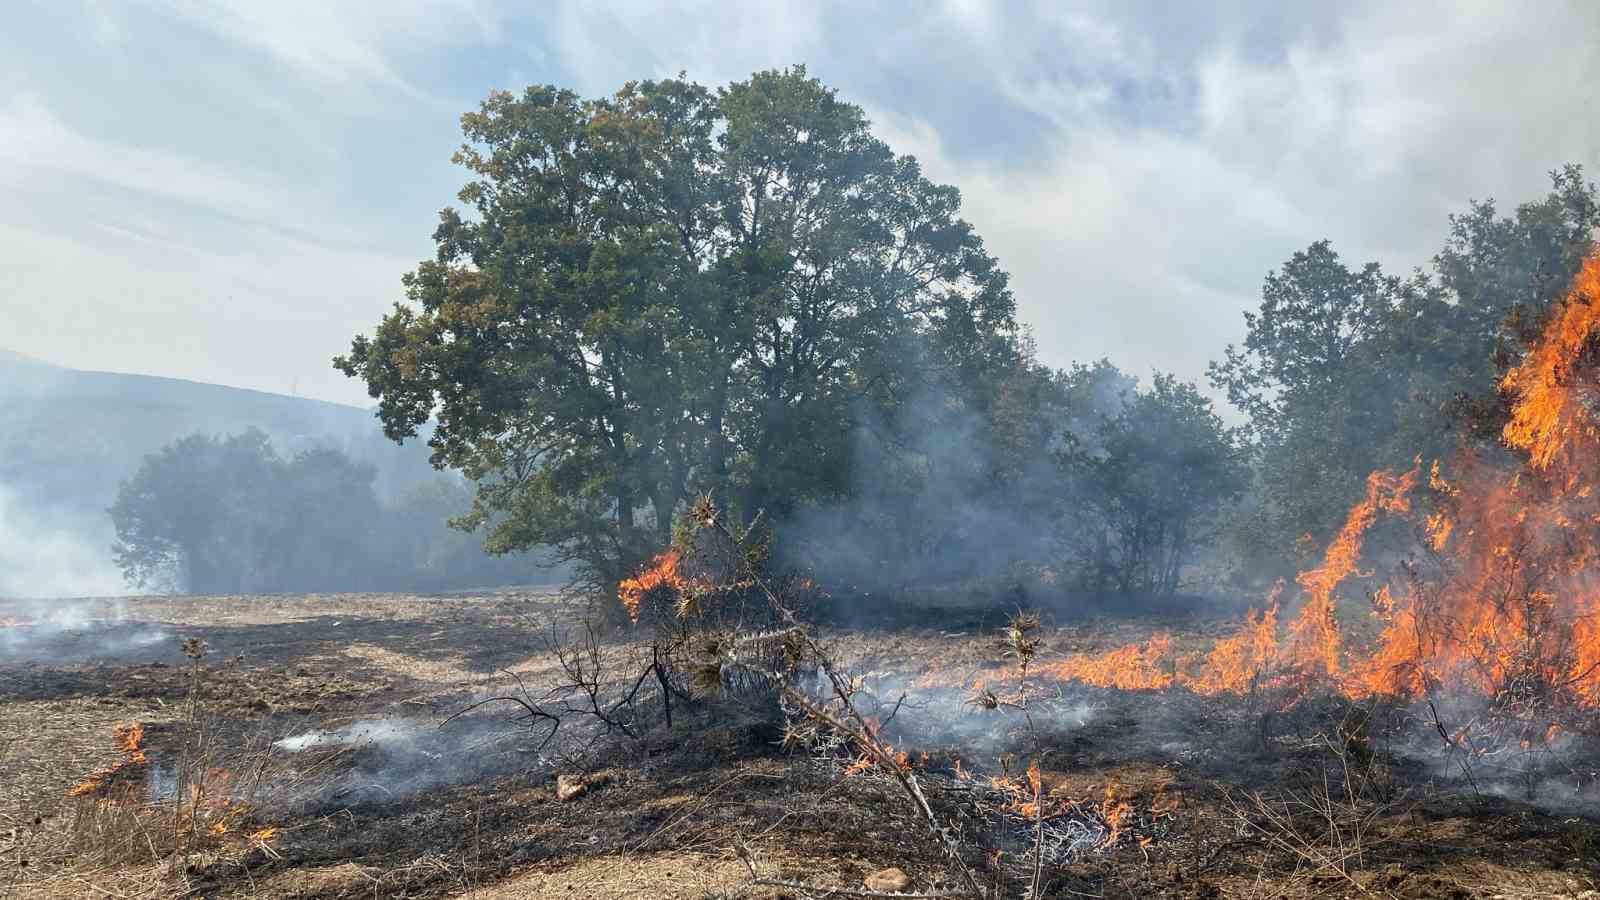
<point>305,747</point>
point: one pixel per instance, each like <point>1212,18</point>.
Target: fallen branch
<point>852,723</point>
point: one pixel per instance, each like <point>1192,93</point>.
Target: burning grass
<point>1486,607</point>
<point>1147,766</point>
<point>1299,752</point>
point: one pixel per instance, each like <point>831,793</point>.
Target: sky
<point>229,191</point>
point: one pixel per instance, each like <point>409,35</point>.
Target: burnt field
<point>330,746</point>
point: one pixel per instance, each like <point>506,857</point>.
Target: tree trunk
<point>663,505</point>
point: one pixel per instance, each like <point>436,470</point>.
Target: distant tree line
<point>676,291</point>
<point>230,515</point>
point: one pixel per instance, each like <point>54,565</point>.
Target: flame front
<point>1135,667</point>
<point>1500,598</point>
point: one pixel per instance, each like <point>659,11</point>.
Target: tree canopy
<point>1344,371</point>
<point>216,515</point>
<point>740,291</point>
<point>1149,478</point>
<point>675,290</point>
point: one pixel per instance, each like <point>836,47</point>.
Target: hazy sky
<point>229,191</point>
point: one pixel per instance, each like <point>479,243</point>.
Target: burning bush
<point>1495,596</point>
<point>658,582</point>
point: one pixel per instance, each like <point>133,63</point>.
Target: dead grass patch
<point>668,876</point>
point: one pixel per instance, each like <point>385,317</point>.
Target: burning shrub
<point>658,583</point>
<point>1495,598</point>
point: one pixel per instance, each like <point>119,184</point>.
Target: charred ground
<point>663,814</point>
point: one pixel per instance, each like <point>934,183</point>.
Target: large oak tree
<point>677,289</point>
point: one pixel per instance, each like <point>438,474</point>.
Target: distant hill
<point>68,437</point>
<point>13,358</point>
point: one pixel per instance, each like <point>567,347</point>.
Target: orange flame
<point>1553,417</point>
<point>1513,601</point>
<point>1135,667</point>
<point>1314,641</point>
<point>1237,663</point>
<point>1114,809</point>
<point>127,738</point>
<point>661,574</point>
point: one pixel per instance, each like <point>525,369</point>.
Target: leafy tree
<point>1345,371</point>
<point>672,290</point>
<point>229,515</point>
<point>1321,407</point>
<point>1148,481</point>
<point>416,549</point>
<point>1090,394</point>
<point>225,515</point>
<point>1495,279</point>
<point>323,513</point>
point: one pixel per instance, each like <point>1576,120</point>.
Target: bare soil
<point>661,816</point>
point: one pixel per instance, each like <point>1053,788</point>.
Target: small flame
<point>127,738</point>
<point>1114,809</point>
<point>662,573</point>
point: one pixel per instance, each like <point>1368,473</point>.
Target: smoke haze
<point>41,559</point>
<point>65,632</point>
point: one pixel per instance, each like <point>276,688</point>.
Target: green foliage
<point>1147,480</point>
<point>229,515</point>
<point>740,292</point>
<point>1314,376</point>
<point>672,290</point>
<point>1495,279</point>
<point>72,436</point>
<point>226,515</point>
<point>1346,371</point>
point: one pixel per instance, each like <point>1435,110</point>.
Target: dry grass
<point>670,876</point>
<point>46,839</point>
<point>664,826</point>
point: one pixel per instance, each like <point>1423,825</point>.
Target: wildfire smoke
<point>1499,596</point>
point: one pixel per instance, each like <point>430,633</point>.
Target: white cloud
<point>603,45</point>
<point>35,143</point>
<point>104,23</point>
<point>1145,240</point>
<point>1122,244</point>
<point>1138,167</point>
<point>345,44</point>
<point>248,307</point>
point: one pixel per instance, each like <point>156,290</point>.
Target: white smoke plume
<point>74,631</point>
<point>40,559</point>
